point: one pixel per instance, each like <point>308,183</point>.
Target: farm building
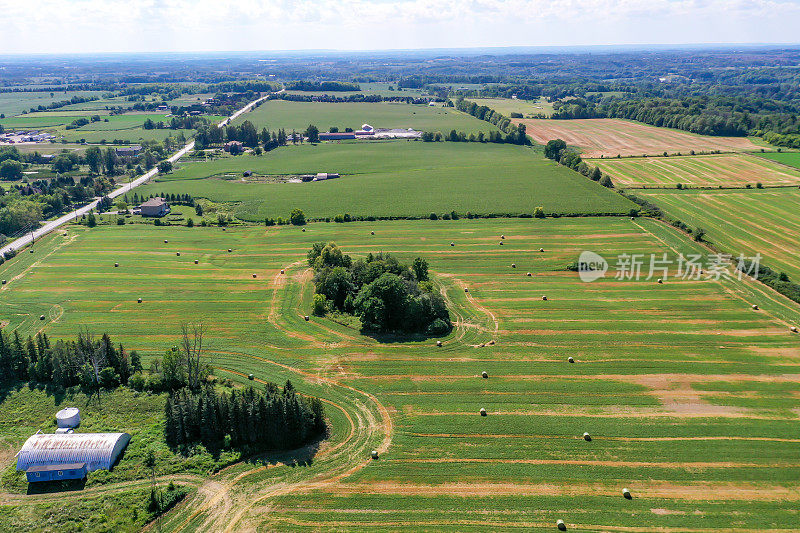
<point>325,176</point>
<point>336,136</point>
<point>154,207</point>
<point>234,146</point>
<point>128,151</point>
<point>45,457</point>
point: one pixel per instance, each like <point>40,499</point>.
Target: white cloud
<point>155,25</point>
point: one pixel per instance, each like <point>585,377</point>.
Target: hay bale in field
<point>196,261</point>
<point>230,250</point>
<point>660,280</point>
<point>793,329</point>
<point>570,359</point>
<point>64,234</point>
<point>541,249</point>
<point>513,265</point>
<point>254,274</point>
<point>372,233</point>
<point>116,265</point>
<point>529,274</point>
<point>633,218</point>
<point>251,377</point>
<point>3,282</point>
<point>452,244</point>
<point>306,318</point>
<point>304,230</point>
<point>41,317</point>
<point>438,344</point>
<point>755,307</point>
<point>484,375</point>
<point>481,345</point>
<point>502,236</point>
<point>281,271</point>
<point>165,241</point>
<point>374,454</point>
<point>140,300</point>
<point>561,525</point>
<point>544,298</point>
<point>482,411</point>
<point>31,250</point>
<point>466,289</point>
<point>627,494</point>
<point>587,437</point>
<point>501,243</point>
<point>178,254</point>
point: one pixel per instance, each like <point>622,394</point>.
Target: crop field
<point>393,178</point>
<point>506,106</point>
<point>689,395</point>
<point>727,170</point>
<point>15,103</point>
<point>742,221</point>
<point>380,88</point>
<point>610,137</point>
<point>277,114</point>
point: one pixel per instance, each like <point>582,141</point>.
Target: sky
<point>92,26</point>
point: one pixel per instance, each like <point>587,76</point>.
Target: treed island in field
<point>344,332</point>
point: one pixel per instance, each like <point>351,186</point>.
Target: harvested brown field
<point>610,137</point>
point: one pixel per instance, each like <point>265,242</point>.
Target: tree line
<point>271,419</point>
<point>557,150</point>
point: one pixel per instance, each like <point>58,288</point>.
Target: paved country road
<point>49,226</point>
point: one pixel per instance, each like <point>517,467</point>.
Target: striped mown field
<point>726,170</point>
<point>690,396</point>
<point>742,221</point>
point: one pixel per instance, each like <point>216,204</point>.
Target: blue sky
<point>59,26</point>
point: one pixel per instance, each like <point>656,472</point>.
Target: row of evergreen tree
<point>270,419</point>
<point>87,361</point>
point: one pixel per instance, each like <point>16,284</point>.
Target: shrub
<point>121,221</point>
<point>320,305</point>
<point>297,217</point>
<point>539,212</point>
<point>434,216</point>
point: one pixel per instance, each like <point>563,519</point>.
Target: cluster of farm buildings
<point>23,137</point>
<point>367,132</point>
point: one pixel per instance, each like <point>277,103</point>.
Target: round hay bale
<point>31,250</point>
<point>452,244</point>
<point>196,261</point>
<point>41,317</point>
<point>466,289</point>
<point>755,307</point>
<point>587,437</point>
<point>306,318</point>
<point>254,274</point>
<point>230,250</point>
<point>627,494</point>
<point>374,454</point>
<point>482,411</point>
<point>484,375</point>
<point>139,300</point>
<point>116,265</point>
<point>570,359</point>
<point>544,298</point>
<point>633,218</point>
<point>165,241</point>
<point>502,236</point>
<point>3,282</point>
<point>513,265</point>
<point>793,329</point>
<point>660,280</point>
<point>64,234</point>
<point>541,249</point>
<point>501,243</point>
<point>304,230</point>
<point>281,271</point>
<point>372,233</point>
<point>251,377</point>
<point>561,525</point>
<point>178,254</point>
<point>529,274</point>
<point>438,344</point>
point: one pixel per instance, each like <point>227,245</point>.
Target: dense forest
<point>386,295</point>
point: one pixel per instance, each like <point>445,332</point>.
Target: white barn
<point>94,450</point>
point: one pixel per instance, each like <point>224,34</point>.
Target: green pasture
<point>14,103</point>
<point>791,159</point>
<point>742,221</point>
<point>392,178</point>
<point>380,88</point>
<point>687,392</point>
<point>277,114</point>
<point>506,106</point>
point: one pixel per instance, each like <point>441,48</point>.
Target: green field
<point>506,106</point>
<point>393,179</point>
<point>380,88</point>
<point>726,170</point>
<point>689,394</point>
<point>15,103</point>
<point>791,159</point>
<point>743,221</point>
<point>277,114</point>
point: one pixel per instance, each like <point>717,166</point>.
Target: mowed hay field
<point>742,221</point>
<point>690,396</point>
<point>14,103</point>
<point>393,179</point>
<point>506,106</point>
<point>610,137</point>
<point>727,170</point>
<point>277,114</point>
